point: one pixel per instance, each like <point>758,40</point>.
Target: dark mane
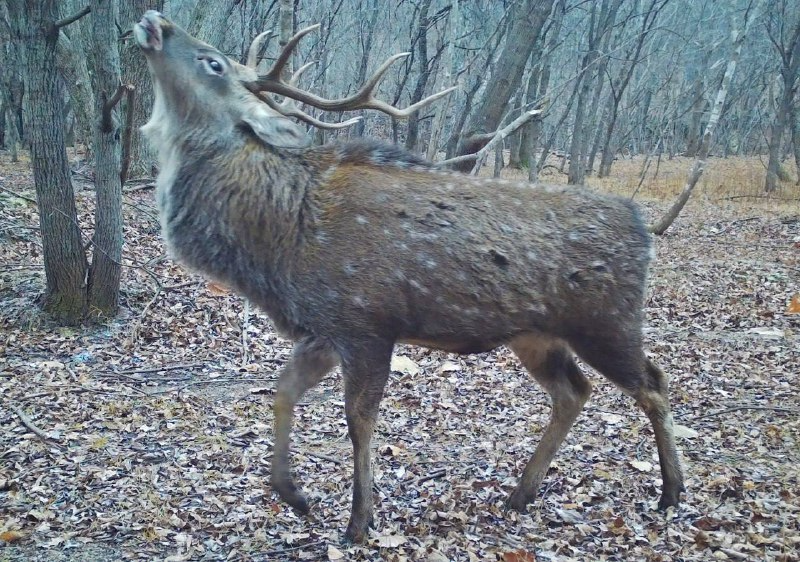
<point>377,153</point>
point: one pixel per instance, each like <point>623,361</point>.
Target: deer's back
<point>432,257</point>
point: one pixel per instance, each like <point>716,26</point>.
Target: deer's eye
<point>212,65</point>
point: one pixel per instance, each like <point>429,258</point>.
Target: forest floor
<point>149,437</point>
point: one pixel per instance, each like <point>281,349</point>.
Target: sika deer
<point>353,247</point>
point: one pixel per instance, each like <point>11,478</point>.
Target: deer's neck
<point>238,216</point>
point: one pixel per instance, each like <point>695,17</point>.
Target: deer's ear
<point>273,129</point>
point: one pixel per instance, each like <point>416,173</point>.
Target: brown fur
<point>351,248</point>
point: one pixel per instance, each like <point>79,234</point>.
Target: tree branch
<point>73,18</point>
<point>105,124</point>
<point>26,421</point>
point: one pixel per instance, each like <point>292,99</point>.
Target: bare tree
<point>623,78</point>
<point>106,265</point>
<point>784,34</point>
<point>424,71</point>
<point>600,24</point>
<point>666,221</point>
<point>35,25</point>
<point>140,160</point>
<point>527,18</point>
<point>11,87</point>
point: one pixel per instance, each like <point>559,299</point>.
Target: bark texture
<point>106,267</point>
<point>33,23</point>
<point>134,72</point>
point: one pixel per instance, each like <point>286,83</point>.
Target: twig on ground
<point>158,369</point>
<point>750,407</point>
<point>15,194</point>
<point>432,476</point>
<point>131,340</point>
<point>323,456</point>
<point>209,381</point>
<point>280,552</point>
<point>150,185</point>
<point>26,421</point>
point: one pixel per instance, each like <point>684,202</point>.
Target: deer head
<point>205,90</point>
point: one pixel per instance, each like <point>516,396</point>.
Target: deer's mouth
<point>149,32</point>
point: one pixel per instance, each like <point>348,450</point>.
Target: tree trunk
<point>788,47</point>
<point>209,20</point>
<point>71,57</point>
<point>621,84</point>
<point>782,116</point>
<point>693,132</point>
<point>12,134</point>
<point>440,115</point>
<point>515,140</point>
<point>64,258</point>
<point>697,170</point>
<point>106,267</point>
<point>412,137</point>
<point>141,158</point>
<point>796,141</point>
<point>527,20</point>
<point>367,36</point>
<point>599,30</point>
<point>11,89</point>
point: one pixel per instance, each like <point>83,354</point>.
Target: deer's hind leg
<point>552,364</point>
<point>620,358</point>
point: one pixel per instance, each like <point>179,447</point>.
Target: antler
<point>272,83</point>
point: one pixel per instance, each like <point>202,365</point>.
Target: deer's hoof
<point>357,532</point>
<point>289,493</point>
<point>669,499</point>
<point>517,501</point>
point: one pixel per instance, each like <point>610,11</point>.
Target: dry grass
<point>726,181</point>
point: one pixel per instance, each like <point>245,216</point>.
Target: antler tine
<point>255,46</point>
<point>271,82</point>
<point>370,85</point>
<point>384,107</point>
<point>289,109</point>
<point>300,71</point>
<point>277,68</point>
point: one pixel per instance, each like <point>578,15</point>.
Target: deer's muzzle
<point>149,31</point>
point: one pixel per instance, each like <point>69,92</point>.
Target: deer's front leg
<point>365,376</point>
<point>311,359</point>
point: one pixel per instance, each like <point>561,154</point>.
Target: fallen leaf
<point>519,556</point>
<point>449,367</point>
<point>794,304</point>
<point>403,364</point>
<point>569,516</point>
<point>642,466</point>
<point>684,432</point>
<point>10,536</point>
<point>611,419</point>
<point>292,538</point>
<point>767,332</point>
<point>390,541</point>
<point>334,553</point>
<point>391,451</point>
<point>216,289</point>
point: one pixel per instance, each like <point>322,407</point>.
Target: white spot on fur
<point>360,219</point>
<point>418,286</point>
